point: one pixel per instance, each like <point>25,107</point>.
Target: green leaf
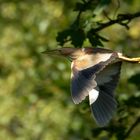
<point>78,37</point>
<point>103,38</point>
<point>62,37</point>
<point>94,40</point>
<point>135,79</point>
<point>133,101</point>
<point>86,5</point>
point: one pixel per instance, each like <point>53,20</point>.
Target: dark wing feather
<point>108,79</point>
<point>103,108</point>
<point>82,83</point>
<point>105,105</point>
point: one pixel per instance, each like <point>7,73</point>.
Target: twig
<point>120,19</point>
<point>131,128</point>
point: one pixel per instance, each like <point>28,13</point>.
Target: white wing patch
<point>93,95</point>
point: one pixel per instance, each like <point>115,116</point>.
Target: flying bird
<point>95,73</point>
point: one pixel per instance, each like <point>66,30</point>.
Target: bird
<point>95,73</point>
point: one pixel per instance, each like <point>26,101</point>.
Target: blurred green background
<point>35,100</point>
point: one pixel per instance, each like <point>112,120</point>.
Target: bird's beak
<point>70,53</point>
<point>52,52</point>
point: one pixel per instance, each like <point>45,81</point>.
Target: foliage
<point>35,101</point>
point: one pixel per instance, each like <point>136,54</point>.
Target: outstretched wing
<point>105,105</point>
<point>83,81</point>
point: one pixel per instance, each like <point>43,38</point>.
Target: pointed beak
<point>66,52</point>
<point>52,52</point>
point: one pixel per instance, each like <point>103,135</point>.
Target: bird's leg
<point>131,60</point>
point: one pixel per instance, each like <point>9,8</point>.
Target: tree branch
<point>132,127</point>
<point>120,20</point>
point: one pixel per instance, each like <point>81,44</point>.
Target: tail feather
<point>103,109</point>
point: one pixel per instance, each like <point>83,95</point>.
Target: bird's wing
<point>83,81</point>
<point>105,105</point>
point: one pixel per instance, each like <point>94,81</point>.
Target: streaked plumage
<point>95,73</point>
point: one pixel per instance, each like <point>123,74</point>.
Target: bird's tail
<point>127,59</point>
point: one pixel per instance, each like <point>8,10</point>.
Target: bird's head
<point>72,53</point>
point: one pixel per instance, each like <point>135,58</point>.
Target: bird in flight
<point>95,73</point>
